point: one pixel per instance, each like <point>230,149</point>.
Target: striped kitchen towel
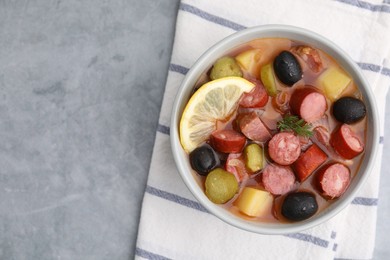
<point>173,224</point>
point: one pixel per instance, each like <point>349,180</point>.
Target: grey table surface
<point>81,84</point>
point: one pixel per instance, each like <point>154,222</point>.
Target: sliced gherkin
<point>221,186</point>
<point>268,79</point>
<point>254,157</point>
<point>225,67</point>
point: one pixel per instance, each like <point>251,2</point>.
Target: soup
<point>275,131</point>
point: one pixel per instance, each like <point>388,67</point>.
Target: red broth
<point>270,115</point>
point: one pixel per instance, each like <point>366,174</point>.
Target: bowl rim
<point>223,46</point>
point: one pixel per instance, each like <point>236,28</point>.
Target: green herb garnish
<point>299,126</point>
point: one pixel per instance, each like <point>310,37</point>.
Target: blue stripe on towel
<point>374,68</point>
<point>385,71</point>
<point>308,238</point>
<point>149,255</point>
<point>366,5</point>
<point>178,68</point>
<point>163,129</point>
<point>210,17</point>
<point>365,201</point>
<point>368,66</point>
<point>175,198</point>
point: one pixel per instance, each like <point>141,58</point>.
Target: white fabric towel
<point>173,225</point>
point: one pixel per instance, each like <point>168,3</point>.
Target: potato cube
<point>249,61</point>
<point>334,82</point>
<point>254,202</point>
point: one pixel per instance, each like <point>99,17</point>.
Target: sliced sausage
<point>310,160</point>
<point>253,128</point>
<point>308,103</point>
<point>277,179</point>
<point>284,148</point>
<point>334,180</point>
<point>236,165</point>
<point>305,143</point>
<point>345,142</point>
<point>321,130</point>
<point>322,135</point>
<point>280,102</point>
<point>258,97</point>
<point>227,141</point>
<point>311,57</point>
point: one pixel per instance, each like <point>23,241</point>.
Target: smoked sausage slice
<point>334,180</point>
<point>345,142</point>
<point>284,148</point>
<point>258,97</point>
<point>227,141</point>
<point>236,165</point>
<point>308,103</point>
<point>310,56</point>
<point>253,128</point>
<point>277,179</point>
<point>310,160</point>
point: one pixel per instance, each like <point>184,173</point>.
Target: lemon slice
<point>214,101</point>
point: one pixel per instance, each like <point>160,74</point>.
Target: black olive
<point>349,110</point>
<point>299,206</point>
<point>204,159</point>
<point>287,68</point>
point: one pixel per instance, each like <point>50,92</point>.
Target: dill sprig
<point>299,126</point>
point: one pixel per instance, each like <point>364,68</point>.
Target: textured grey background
<point>81,84</point>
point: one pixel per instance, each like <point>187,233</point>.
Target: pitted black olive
<point>287,68</point>
<point>299,206</point>
<point>349,110</point>
<point>204,159</point>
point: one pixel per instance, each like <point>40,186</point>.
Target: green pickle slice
<point>268,78</point>
<point>225,67</point>
<point>221,186</point>
<point>254,157</point>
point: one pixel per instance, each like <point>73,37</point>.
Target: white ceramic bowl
<point>225,46</point>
